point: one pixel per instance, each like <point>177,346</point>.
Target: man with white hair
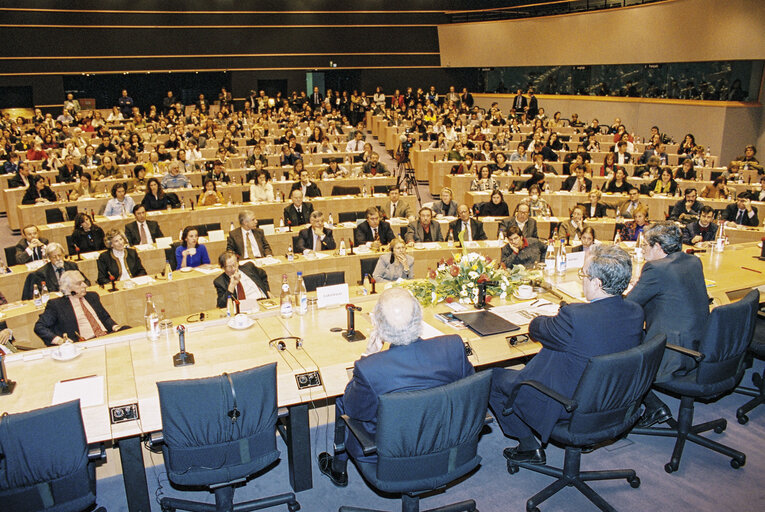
<point>79,314</point>
<point>52,271</point>
<point>410,363</point>
<point>174,178</point>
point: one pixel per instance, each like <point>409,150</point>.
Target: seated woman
<point>632,229</point>
<point>86,235</point>
<point>396,265</point>
<point>574,226</point>
<point>120,203</point>
<point>210,196</point>
<point>118,262</point>
<point>139,183</point>
<point>262,189</point>
<point>664,184</point>
<point>595,209</point>
<point>717,190</point>
<point>484,181</point>
<point>537,206</point>
<point>519,250</point>
<point>494,207</point>
<point>334,170</point>
<point>685,171</point>
<point>38,191</point>
<point>445,207</point>
<point>84,188</point>
<point>191,253</point>
<point>618,183</point>
<point>467,166</point>
<point>609,164</point>
<point>588,241</point>
<point>501,165</point>
<point>155,198</point>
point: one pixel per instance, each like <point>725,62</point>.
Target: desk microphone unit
<point>481,302</point>
<point>182,358</point>
<point>350,333</point>
<point>6,385</point>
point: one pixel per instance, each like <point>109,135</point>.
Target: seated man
<point>522,220</point>
<point>374,167</point>
<point>174,178</point>
<point>628,207</point>
<point>21,178</point>
<point>248,241</point>
<point>78,315</point>
<point>31,246</point>
<point>52,271</point>
<point>316,237</point>
<point>687,208</point>
<point>410,364</point>
<point>306,186</point>
<point>577,182</point>
<point>297,213</point>
<point>245,282</point>
<point>395,207</point>
<point>217,174</point>
<point>742,212</point>
<point>356,145</point>
<point>521,250</point>
<point>142,231</point>
<point>579,332</point>
<point>425,229</point>
<point>473,229</point>
<point>373,230</point>
<point>702,229</point>
<point>69,172</point>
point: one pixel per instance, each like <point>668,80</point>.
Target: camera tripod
<point>405,179</point>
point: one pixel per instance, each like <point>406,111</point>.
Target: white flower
<point>503,295</point>
<point>471,284</point>
<point>473,274</point>
<point>463,293</point>
<point>433,297</point>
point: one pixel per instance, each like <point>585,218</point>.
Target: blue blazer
<point>569,340</point>
<point>422,364</point>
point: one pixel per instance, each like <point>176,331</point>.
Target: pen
<point>751,270</point>
<point>533,303</point>
<point>78,378</point>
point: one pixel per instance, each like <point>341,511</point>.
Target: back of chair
<point>53,215</point>
<point>45,460</point>
<point>10,255</point>
<point>245,196</point>
<point>333,278</point>
<point>428,438</point>
<point>368,266</point>
<point>313,281</point>
<point>70,245</point>
<point>381,189</point>
<point>338,190</point>
<point>727,335</point>
<point>346,217</point>
<point>71,212</point>
<point>610,392</point>
<point>202,443</point>
<point>212,226</point>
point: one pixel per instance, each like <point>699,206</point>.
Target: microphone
<point>694,251</point>
<point>182,358</point>
<point>481,302</point>
<point>350,333</point>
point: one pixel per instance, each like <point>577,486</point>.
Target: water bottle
<point>278,196</point>
<point>285,300</point>
<point>330,222</point>
<point>124,212</point>
<point>450,239</point>
<point>231,227</point>
<point>45,294</point>
<point>560,262</point>
<point>230,310</point>
<point>720,236</point>
<point>639,247</point>
<point>617,238</point>
<point>550,258</point>
<point>151,319</point>
<point>183,204</point>
<point>364,190</point>
<point>342,248</point>
<point>36,297</point>
<point>290,253</point>
<point>302,303</point>
<point>168,271</point>
<point>281,224</point>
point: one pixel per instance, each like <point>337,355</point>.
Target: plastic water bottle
<point>330,222</point>
<point>168,271</point>
<point>639,247</point>
<point>45,293</point>
<point>720,236</point>
<point>231,227</point>
<point>151,319</point>
<point>302,302</point>
<point>561,261</point>
<point>617,238</point>
<point>364,190</point>
<point>450,239</point>
<point>36,297</point>
<point>550,258</point>
<point>290,253</point>
<point>285,300</point>
<point>342,248</point>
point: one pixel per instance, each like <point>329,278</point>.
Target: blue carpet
<point>705,480</point>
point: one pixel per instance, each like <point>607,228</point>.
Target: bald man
<point>410,363</point>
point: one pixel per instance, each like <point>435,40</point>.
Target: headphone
<point>281,346</point>
<point>234,413</point>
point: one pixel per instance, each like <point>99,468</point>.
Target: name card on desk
<point>335,295</point>
<point>575,259</point>
<point>215,235</point>
<point>164,243</point>
<point>268,229</point>
<point>142,247</point>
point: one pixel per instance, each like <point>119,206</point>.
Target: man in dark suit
<point>52,271</point>
<point>621,157</point>
<point>256,245</point>
<point>425,229</point>
<point>297,213</point>
<point>702,229</point>
<point>533,107</point>
<point>689,206</point>
<point>673,294</point>
<point>373,230</point>
<point>569,340</point>
<point>306,186</point>
<point>79,314</point>
<point>473,229</point>
<point>316,237</point>
<point>395,207</point>
<point>21,178</point>
<point>31,246</point>
<point>522,220</point>
<point>519,102</point>
<point>69,172</point>
<point>142,231</point>
<point>118,261</point>
<point>742,212</point>
<point>410,364</point>
<point>316,98</point>
<point>577,182</point>
<point>240,282</point>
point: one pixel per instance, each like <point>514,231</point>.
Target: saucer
<point>242,327</point>
<point>530,297</point>
<point>186,269</point>
<point>58,357</point>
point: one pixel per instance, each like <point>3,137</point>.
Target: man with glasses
<point>522,220</point>
<point>628,207</point>
<point>569,340</point>
<point>52,271</point>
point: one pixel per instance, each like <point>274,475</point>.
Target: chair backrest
<point>263,222</point>
<point>53,215</point>
<point>346,217</point>
<point>213,226</point>
<point>245,196</point>
<point>381,189</point>
<point>295,240</point>
<point>368,266</point>
<point>10,255</point>
<point>611,390</point>
<point>429,437</point>
<point>727,336</point>
<point>71,212</point>
<point>45,460</point>
<point>332,278</point>
<point>313,281</point>
<point>338,190</point>
<point>201,229</point>
<point>202,445</point>
<point>27,292</point>
<point>70,245</point>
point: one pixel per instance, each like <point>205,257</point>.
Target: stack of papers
<point>523,313</point>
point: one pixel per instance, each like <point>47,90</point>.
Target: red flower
<point>503,266</point>
<point>431,273</point>
<point>454,271</point>
<point>450,261</point>
<point>488,298</point>
<point>441,261</point>
<point>488,260</point>
<point>449,300</point>
<point>482,278</point>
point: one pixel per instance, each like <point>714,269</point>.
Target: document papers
<point>89,390</point>
<point>523,313</point>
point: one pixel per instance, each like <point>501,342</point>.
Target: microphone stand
<point>182,358</point>
<point>481,303</point>
<point>350,333</point>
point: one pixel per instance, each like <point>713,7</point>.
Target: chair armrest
<point>368,445</point>
<point>155,439</point>
<point>567,403</point>
<point>697,356</point>
<point>96,452</point>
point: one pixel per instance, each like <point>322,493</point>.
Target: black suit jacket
<point>305,240</point>
<point>312,190</point>
<point>48,274</point>
<point>107,265</point>
<point>363,233</point>
<point>694,228</point>
<point>258,275</point>
<point>731,211</point>
<point>292,218</point>
<point>58,318</point>
<point>235,242</point>
<point>21,251</point>
<point>569,182</point>
<point>600,210</point>
<point>67,176</point>
<point>134,238</point>
<point>476,229</point>
<point>17,182</point>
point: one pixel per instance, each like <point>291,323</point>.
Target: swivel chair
<point>756,349</point>
<point>425,439</point>
<point>606,404</point>
<point>719,367</point>
<point>45,461</point>
<point>338,190</point>
<point>218,431</point>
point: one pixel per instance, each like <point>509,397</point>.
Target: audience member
<point>239,282</point>
<point>118,262</point>
<point>86,236</point>
<point>142,231</point>
<point>31,247</point>
<point>248,241</point>
<point>191,253</point>
<point>316,237</point>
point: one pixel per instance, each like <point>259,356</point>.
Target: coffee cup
<point>192,251</point>
<point>67,350</point>
<point>241,320</point>
<point>525,291</point>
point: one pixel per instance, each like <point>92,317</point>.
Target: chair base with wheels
<point>224,501</point>
<point>411,503</point>
<point>684,430</point>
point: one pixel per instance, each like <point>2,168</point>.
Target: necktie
<point>466,229</point>
<point>316,242</point>
<point>358,142</point>
<point>253,245</point>
<point>392,210</point>
<point>144,234</point>
<point>375,234</point>
<point>740,217</point>
<point>94,324</point>
<point>239,291</point>
<point>581,186</point>
<point>59,271</point>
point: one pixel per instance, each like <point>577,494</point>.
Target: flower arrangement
<point>456,279</point>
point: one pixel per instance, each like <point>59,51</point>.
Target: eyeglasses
<point>582,275</point>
